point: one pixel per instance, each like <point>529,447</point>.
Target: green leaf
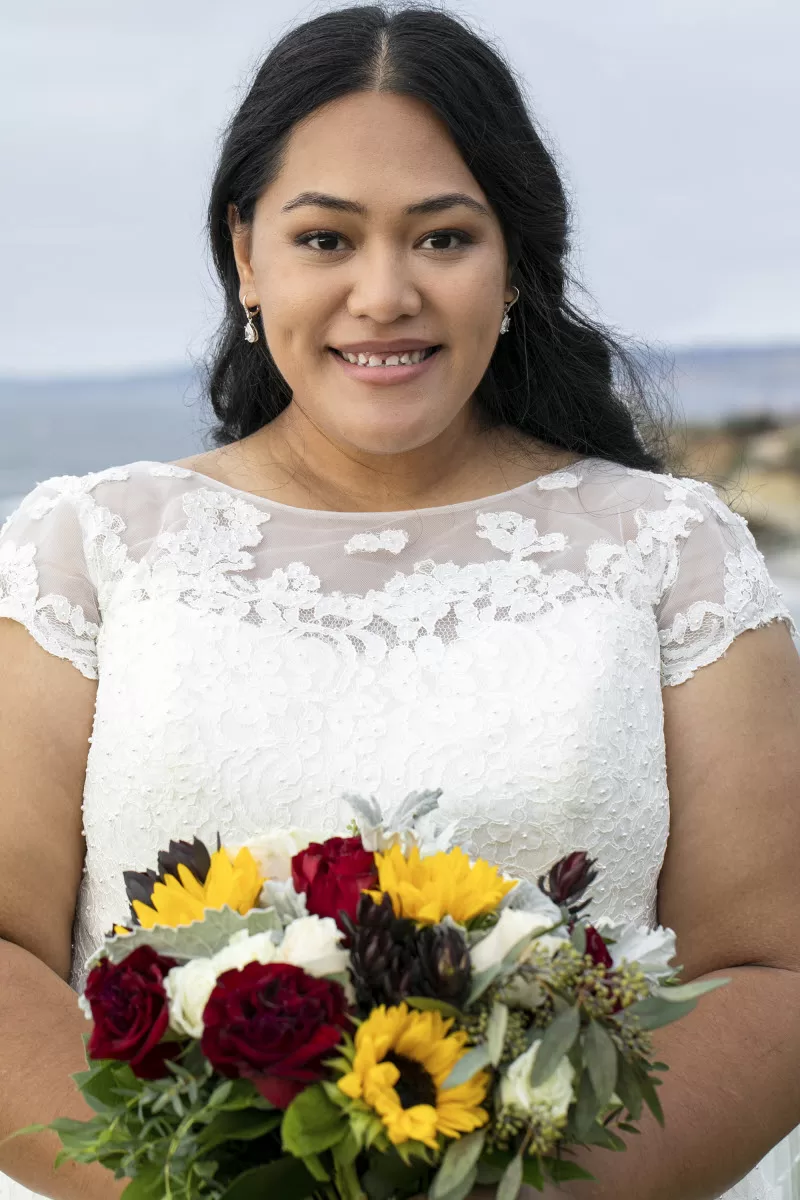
<point>601,1060</point>
<point>429,1004</point>
<point>557,1041</point>
<point>312,1123</point>
<point>236,1127</point>
<point>651,1099</point>
<point>561,1170</point>
<point>628,1089</point>
<point>586,1108</point>
<point>459,1160</point>
<point>601,1135</point>
<point>286,1178</point>
<point>654,1013</point>
<point>578,938</point>
<point>472,1062</point>
<point>148,1184</point>
<point>532,1173</point>
<point>510,1184</point>
<point>481,981</point>
<point>496,1032</point>
<point>676,993</point>
<point>200,939</point>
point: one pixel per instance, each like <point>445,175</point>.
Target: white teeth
<point>391,360</point>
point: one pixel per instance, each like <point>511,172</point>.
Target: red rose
<point>597,949</point>
<point>273,1024</point>
<point>130,1011</point>
<point>333,875</point>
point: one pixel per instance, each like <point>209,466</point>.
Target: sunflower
<point>182,898</point>
<point>428,889</point>
<point>401,1061</point>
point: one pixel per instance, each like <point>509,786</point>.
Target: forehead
<point>372,144</point>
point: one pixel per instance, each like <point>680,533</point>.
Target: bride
<point>430,548</point>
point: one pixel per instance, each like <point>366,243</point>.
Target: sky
<point>673,121</point>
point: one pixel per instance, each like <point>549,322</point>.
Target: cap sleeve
<point>721,586</point>
<point>45,583</point>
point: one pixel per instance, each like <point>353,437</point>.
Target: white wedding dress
<point>256,660</point>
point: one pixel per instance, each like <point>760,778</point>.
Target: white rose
<point>242,948</point>
<point>188,988</point>
<point>313,943</point>
<point>552,1098</point>
<point>514,925</point>
<point>275,849</point>
<point>652,949</point>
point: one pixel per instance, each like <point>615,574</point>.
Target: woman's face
<point>374,240</point>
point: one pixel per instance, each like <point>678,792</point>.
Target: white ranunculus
<point>244,948</point>
<point>188,989</point>
<point>513,925</point>
<point>275,849</point>
<point>552,1098</point>
<point>313,943</point>
<point>652,949</point>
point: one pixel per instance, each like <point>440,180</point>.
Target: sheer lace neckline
<point>549,480</point>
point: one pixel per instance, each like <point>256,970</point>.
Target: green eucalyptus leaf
<point>652,1101</point>
<point>676,993</point>
<point>578,938</point>
<point>653,1012</point>
<point>586,1108</point>
<point>481,981</point>
<point>557,1041</point>
<point>628,1089</point>
<point>147,1184</point>
<point>459,1160</point>
<point>601,1061</point>
<point>496,1032</point>
<point>472,1062</point>
<point>510,1184</point>
<point>200,939</point>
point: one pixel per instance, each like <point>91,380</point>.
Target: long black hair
<point>559,376</point>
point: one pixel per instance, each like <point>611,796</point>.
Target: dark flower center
<point>415,1085</point>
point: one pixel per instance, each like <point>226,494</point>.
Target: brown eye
<point>445,235</point>
<point>322,236</point>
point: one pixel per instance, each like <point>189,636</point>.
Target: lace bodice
<point>254,661</point>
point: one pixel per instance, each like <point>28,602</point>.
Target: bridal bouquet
<point>374,1015</point>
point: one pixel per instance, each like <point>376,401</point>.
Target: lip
<point>396,345</point>
<point>383,376</point>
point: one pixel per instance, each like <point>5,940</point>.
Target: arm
<point>730,887</point>
<point>46,714</point>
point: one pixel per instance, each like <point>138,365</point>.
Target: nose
<point>383,289</point>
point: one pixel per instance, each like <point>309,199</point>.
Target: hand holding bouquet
<point>375,1015</point>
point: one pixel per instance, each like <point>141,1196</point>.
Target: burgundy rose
<point>130,1011</point>
<point>597,949</point>
<point>333,875</point>
<point>273,1024</point>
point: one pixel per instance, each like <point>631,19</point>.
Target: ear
<point>241,240</point>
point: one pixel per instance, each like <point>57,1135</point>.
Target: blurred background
<point>673,123</point>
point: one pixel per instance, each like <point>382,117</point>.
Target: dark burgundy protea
<point>391,959</point>
<point>445,971</point>
<point>194,856</point>
<point>383,961</point>
<point>568,879</point>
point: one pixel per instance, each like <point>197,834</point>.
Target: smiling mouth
<point>404,359</point>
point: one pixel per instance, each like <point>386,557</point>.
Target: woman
<point>429,549</point>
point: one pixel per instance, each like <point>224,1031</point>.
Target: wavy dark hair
<point>559,377</point>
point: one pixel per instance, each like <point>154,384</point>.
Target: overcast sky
<point>675,122</point>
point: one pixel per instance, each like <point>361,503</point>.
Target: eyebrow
<point>433,204</point>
